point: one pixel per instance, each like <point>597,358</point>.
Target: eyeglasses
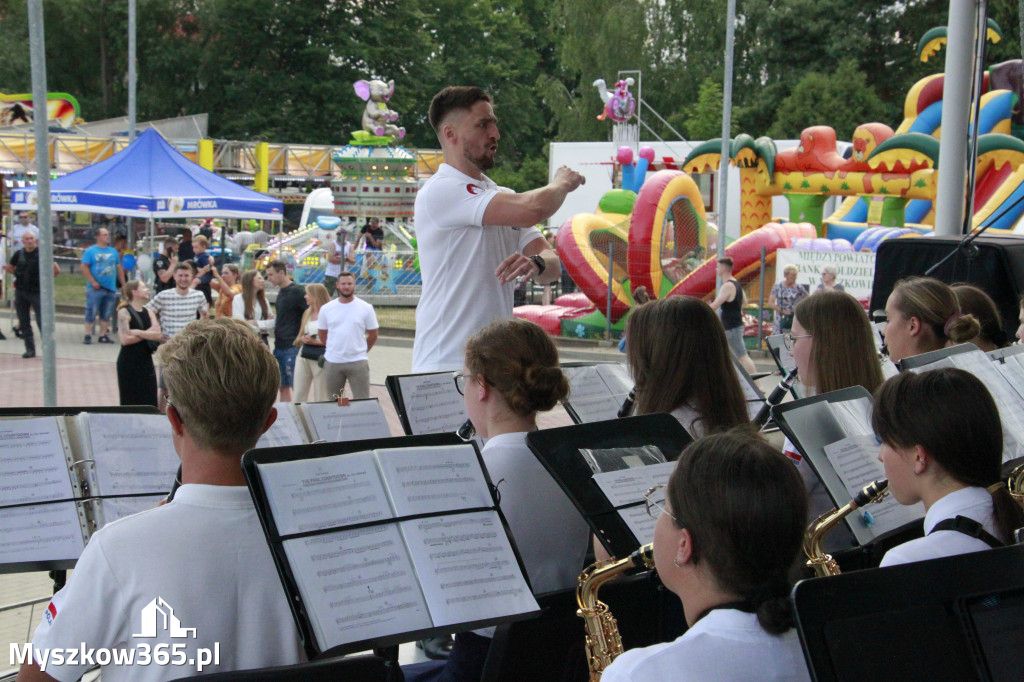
<point>461,379</point>
<point>653,505</point>
<point>789,339</point>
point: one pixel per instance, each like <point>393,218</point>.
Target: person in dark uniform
<point>24,264</point>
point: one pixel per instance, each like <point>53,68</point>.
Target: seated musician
<point>832,343</point>
<point>195,573</point>
<point>976,303</point>
<point>680,360</point>
<point>922,315</point>
<point>727,536</point>
<point>942,444</point>
<point>511,373</point>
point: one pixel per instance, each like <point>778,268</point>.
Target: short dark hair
<point>346,273</point>
<point>277,266</point>
<point>186,265</point>
<point>725,261</point>
<point>451,98</point>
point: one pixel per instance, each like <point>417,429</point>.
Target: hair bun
<point>540,389</point>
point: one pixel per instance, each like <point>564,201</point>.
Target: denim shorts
<point>735,338</point>
<point>99,301</point>
<point>286,363</point>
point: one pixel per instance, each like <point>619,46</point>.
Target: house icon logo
<point>158,615</point>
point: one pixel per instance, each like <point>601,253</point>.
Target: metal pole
<point>980,33</point>
<point>723,166</point>
<point>37,57</point>
<point>132,74</point>
<point>760,304</point>
<point>956,98</point>
<point>611,272</point>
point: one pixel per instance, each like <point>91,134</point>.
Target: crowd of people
<point>729,523</point>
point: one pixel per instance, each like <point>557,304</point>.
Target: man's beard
<point>483,161</point>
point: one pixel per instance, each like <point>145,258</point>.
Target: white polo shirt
<point>726,644</point>
<point>346,325</point>
<point>974,503</point>
<point>203,556</point>
<point>458,257</point>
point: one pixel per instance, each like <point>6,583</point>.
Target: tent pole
<point>37,58</point>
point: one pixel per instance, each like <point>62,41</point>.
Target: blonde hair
<point>127,291</point>
<point>520,361</point>
<point>222,381</point>
<point>201,240</point>
<point>935,304</point>
<point>790,268</point>
<point>319,296</point>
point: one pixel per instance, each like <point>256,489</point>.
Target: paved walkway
<point>87,375</point>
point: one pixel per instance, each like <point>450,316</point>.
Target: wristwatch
<point>539,261</point>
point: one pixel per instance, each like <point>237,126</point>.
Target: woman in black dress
<point>136,377</point>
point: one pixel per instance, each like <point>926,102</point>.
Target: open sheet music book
<point>427,403</point>
<point>606,467</point>
<point>303,423</point>
<point>596,390</point>
<point>1010,363</point>
<point>833,431</point>
<point>383,544</point>
<point>66,476</point>
<point>1001,384</point>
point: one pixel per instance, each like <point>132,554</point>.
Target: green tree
<point>704,120</point>
<point>842,99</point>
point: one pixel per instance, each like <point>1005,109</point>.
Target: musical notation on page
<point>45,532</point>
<point>33,465</point>
<point>357,584</point>
<point>467,568</point>
<point>432,403</point>
<point>449,480</point>
<point>312,494</point>
<point>284,431</point>
<point>596,392</point>
<point>627,487</point>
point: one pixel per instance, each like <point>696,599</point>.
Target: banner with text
<point>856,269</point>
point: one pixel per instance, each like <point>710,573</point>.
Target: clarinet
<point>764,415</point>
<point>627,404</point>
<point>466,431</point>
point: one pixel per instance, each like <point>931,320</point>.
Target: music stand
<point>956,618</point>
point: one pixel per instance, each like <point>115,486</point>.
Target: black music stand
<point>956,618</point>
<point>580,418</point>
<point>445,382</point>
<point>559,451</point>
<point>300,610</point>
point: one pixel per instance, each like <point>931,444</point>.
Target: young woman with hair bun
<point>942,444</point>
<point>923,314</point>
<point>726,538</point>
<point>975,302</point>
<point>511,373</point>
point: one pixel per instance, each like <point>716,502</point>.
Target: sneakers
<point>88,340</point>
<point>28,354</point>
<point>104,339</point>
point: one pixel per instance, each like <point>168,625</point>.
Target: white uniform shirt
<point>726,644</point>
<point>549,531</point>
<point>346,325</point>
<point>974,503</point>
<point>205,556</point>
<point>259,323</point>
<point>691,421</point>
<point>458,258</point>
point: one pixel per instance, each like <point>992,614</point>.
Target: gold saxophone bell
<point>823,564</point>
<point>603,641</point>
<point>1015,484</point>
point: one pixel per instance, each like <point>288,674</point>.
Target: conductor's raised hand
<point>516,265</point>
<point>569,178</point>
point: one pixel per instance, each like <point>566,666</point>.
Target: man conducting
<point>475,238</point>
<point>201,557</point>
<point>347,326</point>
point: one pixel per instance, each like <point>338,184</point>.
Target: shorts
<point>99,301</point>
<point>286,363</point>
<point>735,338</point>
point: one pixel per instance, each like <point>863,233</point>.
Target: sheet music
<point>285,430</point>
<point>627,486</point>
<point>132,453</point>
<point>856,461</point>
<point>311,494</point>
<point>854,416</point>
<point>437,479</point>
<point>640,523</point>
<point>44,532</point>
<point>357,584</point>
<point>590,396</point>
<point>432,403</point>
<point>614,459</point>
<point>33,464</point>
<point>616,378</point>
<point>467,568</point>
<point>360,420</point>
<point>120,507</point>
<point>1012,370</point>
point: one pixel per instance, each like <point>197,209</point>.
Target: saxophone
<point>603,640</point>
<point>823,564</point>
<point>1015,484</point>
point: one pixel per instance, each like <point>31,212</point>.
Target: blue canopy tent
<point>151,179</point>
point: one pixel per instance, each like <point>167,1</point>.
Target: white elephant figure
<point>377,118</point>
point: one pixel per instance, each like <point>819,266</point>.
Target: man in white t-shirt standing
<point>339,257</point>
<point>347,326</point>
<point>475,238</point>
